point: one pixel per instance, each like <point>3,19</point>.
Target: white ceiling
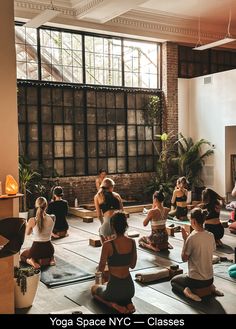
<point>173,20</point>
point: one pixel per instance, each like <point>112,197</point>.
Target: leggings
<point>180,282</point>
<point>119,291</point>
<point>216,229</point>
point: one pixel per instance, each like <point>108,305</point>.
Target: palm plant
<point>26,177</point>
<point>191,158</point>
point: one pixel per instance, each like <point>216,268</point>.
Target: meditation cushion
<point>232,271</point>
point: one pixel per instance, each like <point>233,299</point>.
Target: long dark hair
<point>211,198</point>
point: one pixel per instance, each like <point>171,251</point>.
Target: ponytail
<point>41,205</point>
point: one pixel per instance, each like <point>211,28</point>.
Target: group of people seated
<point>119,251</point>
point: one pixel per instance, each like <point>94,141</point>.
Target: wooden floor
<point>155,298</point>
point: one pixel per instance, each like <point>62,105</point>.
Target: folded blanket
<point>150,275</point>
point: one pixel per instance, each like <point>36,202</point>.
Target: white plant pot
<point>26,300</point>
<point>23,215</point>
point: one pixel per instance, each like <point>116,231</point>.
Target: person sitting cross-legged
<point>120,254</point>
<point>198,252</point>
<point>158,240</point>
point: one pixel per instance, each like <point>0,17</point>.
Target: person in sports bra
<point>42,250</point>
<point>106,203</point>
<point>120,254</point>
<point>213,202</point>
<point>158,240</point>
<point>179,199</point>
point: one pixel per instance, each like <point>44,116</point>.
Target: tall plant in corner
<point>26,177</point>
<point>191,158</point>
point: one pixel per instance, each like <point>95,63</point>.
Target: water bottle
<point>76,203</point>
<point>98,277</point>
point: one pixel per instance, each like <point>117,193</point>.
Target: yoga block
<point>95,242</point>
<point>202,292</point>
<point>170,231</point>
<point>188,228</point>
<point>127,214</point>
<point>133,234</point>
<point>88,219</point>
<point>224,223</point>
<point>173,273</point>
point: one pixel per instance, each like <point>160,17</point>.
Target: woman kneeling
<point>198,252</point>
<point>41,251</point>
<point>158,239</point>
<point>120,254</point>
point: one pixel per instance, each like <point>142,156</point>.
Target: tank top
<point>117,259</point>
<point>45,234</point>
<point>156,222</point>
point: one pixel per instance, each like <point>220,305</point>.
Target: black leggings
<point>119,291</point>
<point>180,282</point>
<point>216,229</point>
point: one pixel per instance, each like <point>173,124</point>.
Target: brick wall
<point>129,186</point>
<point>170,86</point>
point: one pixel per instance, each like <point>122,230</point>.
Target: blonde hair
<point>41,205</point>
<point>107,183</point>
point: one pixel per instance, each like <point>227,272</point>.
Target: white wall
<point>230,148</point>
<point>211,108</point>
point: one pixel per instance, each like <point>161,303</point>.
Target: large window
<point>140,64</point>
<point>26,53</point>
<point>71,131</point>
<point>103,61</point>
<point>73,57</point>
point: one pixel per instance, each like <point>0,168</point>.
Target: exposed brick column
<point>170,86</point>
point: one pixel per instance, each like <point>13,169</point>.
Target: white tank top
<point>45,234</point>
<point>158,222</point>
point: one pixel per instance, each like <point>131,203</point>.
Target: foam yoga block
<point>95,242</point>
<point>232,271</point>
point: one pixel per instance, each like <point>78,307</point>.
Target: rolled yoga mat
<point>151,275</point>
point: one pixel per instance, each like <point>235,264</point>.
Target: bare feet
<point>219,243</point>
<point>131,308</point>
<point>217,292</point>
<point>52,262</point>
<point>31,262</point>
<point>188,293</point>
<point>55,236</point>
<point>119,308</point>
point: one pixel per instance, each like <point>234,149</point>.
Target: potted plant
<point>26,177</point>
<point>191,159</point>
<point>26,284</point>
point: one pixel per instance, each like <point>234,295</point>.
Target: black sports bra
<point>182,198</point>
<point>117,259</point>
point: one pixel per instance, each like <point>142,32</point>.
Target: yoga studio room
<point>118,158</point>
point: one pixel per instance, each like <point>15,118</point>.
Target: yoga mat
<point>74,236</point>
<point>96,307</point>
<point>144,259</point>
<point>225,249</point>
<point>221,270</point>
<point>208,305</point>
<point>171,254</point>
<point>63,274</point>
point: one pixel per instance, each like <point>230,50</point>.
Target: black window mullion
<point>122,63</point>
<point>39,55</point>
<point>85,132</point>
<point>39,123</point>
<point>83,58</point>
